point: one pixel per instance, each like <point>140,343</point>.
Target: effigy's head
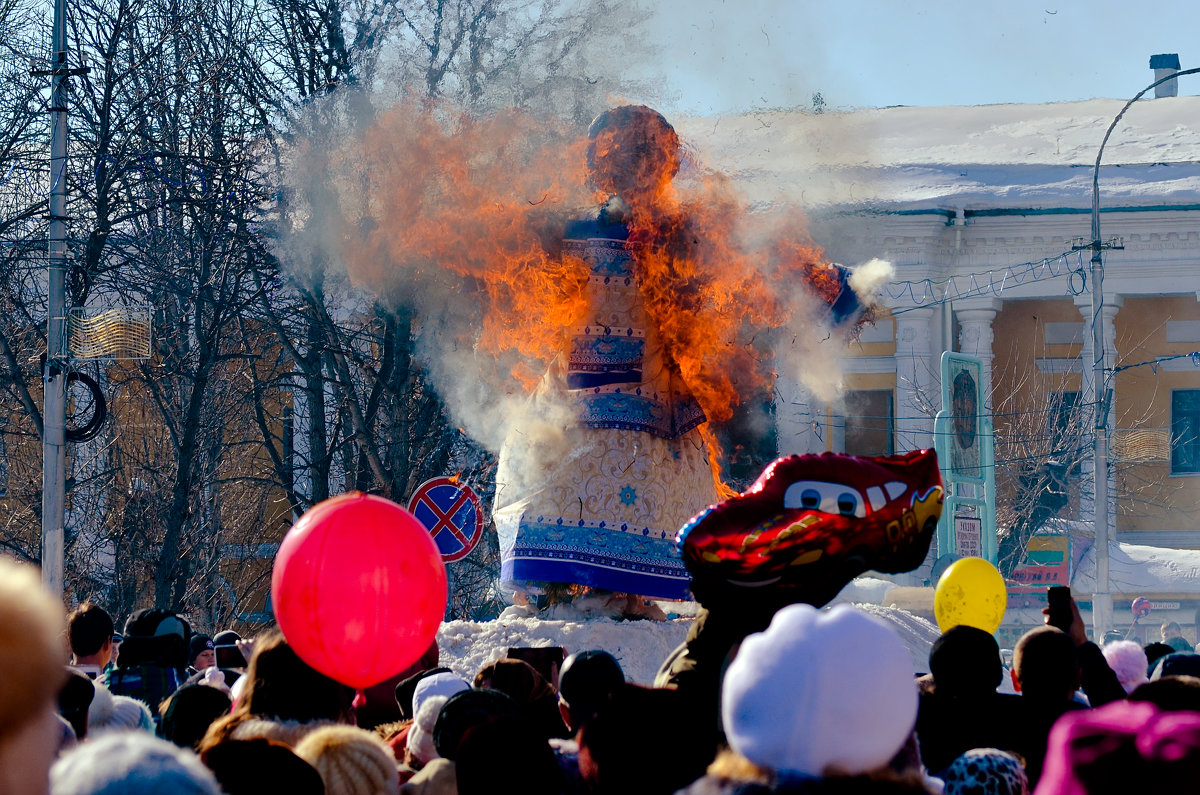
<point>633,152</point>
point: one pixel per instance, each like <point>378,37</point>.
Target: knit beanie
<point>442,684</point>
<point>130,763</point>
<point>985,771</point>
<point>420,735</point>
<point>197,646</point>
<point>408,686</point>
<point>1127,659</point>
<point>351,761</point>
<point>820,691</point>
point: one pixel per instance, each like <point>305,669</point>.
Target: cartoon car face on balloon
<point>811,523</point>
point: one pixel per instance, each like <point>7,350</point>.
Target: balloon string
<point>360,699</point>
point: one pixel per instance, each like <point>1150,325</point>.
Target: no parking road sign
<point>452,513</point>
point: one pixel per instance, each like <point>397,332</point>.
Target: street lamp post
<point>1102,597</point>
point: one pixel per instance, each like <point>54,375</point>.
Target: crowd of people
<point>814,701</point>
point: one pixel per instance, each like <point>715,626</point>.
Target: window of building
<point>1067,426</point>
<point>869,422</point>
<point>1185,431</point>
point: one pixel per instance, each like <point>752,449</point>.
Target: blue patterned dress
<point>593,491</point>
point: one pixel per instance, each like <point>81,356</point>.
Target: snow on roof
<point>984,157</point>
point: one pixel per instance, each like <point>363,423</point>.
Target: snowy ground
<point>641,646</point>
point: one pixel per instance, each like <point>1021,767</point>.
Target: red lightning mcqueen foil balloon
<point>810,524</point>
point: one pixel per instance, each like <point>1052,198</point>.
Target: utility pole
<point>54,377</point>
<point>1102,614</point>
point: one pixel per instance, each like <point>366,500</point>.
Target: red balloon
<point>358,588</point>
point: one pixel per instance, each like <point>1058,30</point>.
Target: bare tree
<point>1043,440</point>
<point>268,389</point>
<point>365,411</point>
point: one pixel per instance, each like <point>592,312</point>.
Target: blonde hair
<point>33,649</point>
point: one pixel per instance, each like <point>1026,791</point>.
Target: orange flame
<point>486,199</point>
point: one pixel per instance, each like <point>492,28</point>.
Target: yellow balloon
<point>971,592</point>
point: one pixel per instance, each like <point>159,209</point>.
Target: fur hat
<point>131,763</point>
<point>420,734</point>
<point>986,771</point>
<point>115,713</point>
<point>820,690</point>
<point>351,761</point>
<point>1128,661</point>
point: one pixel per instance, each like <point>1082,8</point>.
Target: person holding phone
<point>1050,665</point>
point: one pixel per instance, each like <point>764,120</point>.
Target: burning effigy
<point>600,506</point>
<point>594,351</point>
<point>633,465</point>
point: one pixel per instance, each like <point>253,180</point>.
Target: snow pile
<point>1136,570</point>
<point>640,646</point>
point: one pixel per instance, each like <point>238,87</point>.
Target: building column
<point>917,378</point>
<point>975,336</point>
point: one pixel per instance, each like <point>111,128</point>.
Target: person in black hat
<point>201,654</point>
<point>586,681</point>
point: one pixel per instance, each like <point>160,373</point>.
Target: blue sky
<point>734,55</point>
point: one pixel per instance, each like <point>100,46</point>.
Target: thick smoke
<point>459,215</point>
